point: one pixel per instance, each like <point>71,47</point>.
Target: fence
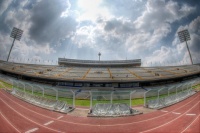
<point>153,98</point>
<point>43,102</point>
<point>168,95</point>
<point>111,103</point>
<point>42,90</point>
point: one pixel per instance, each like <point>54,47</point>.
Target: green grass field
<point>83,102</point>
<point>197,87</point>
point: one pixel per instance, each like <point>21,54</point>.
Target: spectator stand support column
<point>188,87</point>
<point>48,90</point>
<point>40,87</point>
<point>170,88</point>
<point>15,85</point>
<point>184,86</point>
<point>145,102</point>
<point>73,98</point>
<point>90,100</point>
<point>111,97</point>
<point>56,92</point>
<point>130,98</point>
<point>191,85</point>
<point>26,86</point>
<point>21,83</point>
<point>178,86</point>
<point>158,98</point>
<point>11,81</point>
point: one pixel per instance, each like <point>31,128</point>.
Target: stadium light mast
<point>184,36</point>
<point>16,34</point>
<point>99,55</point>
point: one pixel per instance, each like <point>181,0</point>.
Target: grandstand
<point>80,79</point>
<point>98,76</point>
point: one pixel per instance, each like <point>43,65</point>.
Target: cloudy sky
<point>119,29</point>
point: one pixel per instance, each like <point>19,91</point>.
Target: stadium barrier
<point>50,104</point>
<point>111,103</point>
<point>168,95</point>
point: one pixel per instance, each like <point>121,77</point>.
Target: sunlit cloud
<point>91,10</point>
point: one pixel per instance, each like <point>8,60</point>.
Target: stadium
<point>146,77</point>
<point>85,93</point>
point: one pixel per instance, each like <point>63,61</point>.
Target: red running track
<point>19,116</point>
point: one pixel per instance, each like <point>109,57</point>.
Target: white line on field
<point>31,130</point>
<point>60,117</point>
<point>164,111</point>
<point>48,123</point>
<point>176,113</point>
<point>190,114</point>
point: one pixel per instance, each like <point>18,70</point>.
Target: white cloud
<point>91,10</point>
<point>159,12</point>
<point>179,53</point>
<point>194,26</point>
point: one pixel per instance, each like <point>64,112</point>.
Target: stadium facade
<point>100,74</point>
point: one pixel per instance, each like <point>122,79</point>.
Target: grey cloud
<point>47,23</point>
<point>4,5</point>
<point>119,26</point>
<point>195,46</point>
<point>194,29</point>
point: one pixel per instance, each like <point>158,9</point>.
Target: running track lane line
<point>191,123</point>
<point>28,118</point>
<point>176,113</point>
<point>60,117</point>
<point>32,130</point>
<point>98,124</point>
<point>48,123</point>
<point>9,123</point>
<point>171,120</point>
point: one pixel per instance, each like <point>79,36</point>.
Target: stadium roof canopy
<point>105,63</point>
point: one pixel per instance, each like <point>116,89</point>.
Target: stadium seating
<point>125,73</point>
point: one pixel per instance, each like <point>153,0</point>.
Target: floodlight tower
<point>99,55</point>
<point>184,36</point>
<point>16,34</point>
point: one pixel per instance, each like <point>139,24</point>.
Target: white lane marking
<point>176,113</point>
<point>31,130</point>
<point>129,123</point>
<point>28,118</point>
<point>9,122</point>
<point>164,111</point>
<point>59,117</point>
<point>190,124</point>
<point>48,123</point>
<point>190,114</point>
<point>171,120</point>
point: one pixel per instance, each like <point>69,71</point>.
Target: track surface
<point>19,116</point>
